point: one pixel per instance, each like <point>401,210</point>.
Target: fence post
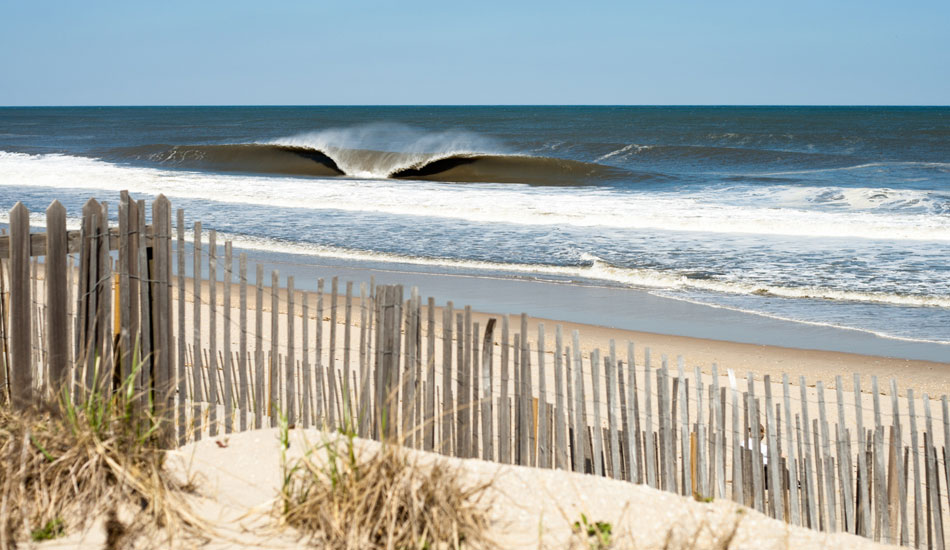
<point>21,377</point>
<point>56,317</point>
<point>104,312</point>
<point>161,244</point>
<point>125,298</point>
<point>488,451</point>
<point>385,398</point>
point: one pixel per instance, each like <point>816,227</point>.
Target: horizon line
<point>239,105</point>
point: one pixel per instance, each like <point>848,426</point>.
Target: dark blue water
<point>837,216</point>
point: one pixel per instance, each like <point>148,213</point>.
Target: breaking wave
<point>362,152</point>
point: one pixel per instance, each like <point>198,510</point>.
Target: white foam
<point>366,151</point>
<point>802,321</point>
<point>750,209</point>
<point>937,165</point>
<point>627,148</point>
<point>594,270</point>
<point>597,270</point>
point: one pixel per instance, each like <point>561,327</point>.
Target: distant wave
<point>447,166</point>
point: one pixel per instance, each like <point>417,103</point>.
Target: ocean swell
<point>451,166</point>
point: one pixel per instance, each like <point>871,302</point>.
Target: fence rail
<point>224,353</point>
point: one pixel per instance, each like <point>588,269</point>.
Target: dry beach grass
<point>342,499</point>
<point>66,464</point>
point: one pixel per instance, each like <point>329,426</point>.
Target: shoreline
<point>931,377</point>
<point>607,307</point>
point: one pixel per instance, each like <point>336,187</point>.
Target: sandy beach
<point>239,479</point>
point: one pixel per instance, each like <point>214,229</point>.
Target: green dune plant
<point>339,495</point>
<point>66,462</point>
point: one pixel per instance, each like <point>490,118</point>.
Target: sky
<point>209,52</point>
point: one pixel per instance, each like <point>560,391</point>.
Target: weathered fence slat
<point>776,496</point>
<point>463,364</point>
<point>320,393</point>
<point>346,388</point>
<point>446,444</point>
<point>228,366</point>
<point>182,376</point>
<point>504,410</point>
<point>687,477</point>
<point>143,380</point>
<point>259,347</point>
<point>598,422</point>
<point>242,344</point>
<point>306,411</point>
<point>864,512</point>
<point>844,462</point>
<point>754,435</point>
<point>364,398</point>
<point>21,379</point>
<point>543,444</point>
<point>612,411</point>
<point>56,299</point>
<point>273,364</point>
<point>580,409</point>
<point>793,484</point>
<point>829,478</point>
<point>290,360</point>
<point>212,361</point>
<point>487,401</point>
<point>650,452</point>
<point>430,419</point>
<point>332,397</point>
<point>919,523</point>
<point>560,419</point>
<point>882,518</point>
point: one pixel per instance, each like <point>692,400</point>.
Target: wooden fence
<point>224,352</point>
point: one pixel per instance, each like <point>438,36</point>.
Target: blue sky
<point>243,52</point>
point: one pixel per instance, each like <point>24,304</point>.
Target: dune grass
<point>340,498</point>
<point>66,462</point>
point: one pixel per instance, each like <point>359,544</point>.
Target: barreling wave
<point>447,166</point>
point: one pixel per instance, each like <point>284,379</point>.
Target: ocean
<point>826,216</point>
